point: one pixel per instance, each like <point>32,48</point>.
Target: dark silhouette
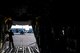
<point>17,31</point>
<point>7,37</point>
<point>11,39</point>
<point>21,32</point>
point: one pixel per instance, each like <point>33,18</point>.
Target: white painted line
<point>11,50</point>
<point>3,51</point>
<point>17,49</point>
<point>7,50</point>
<point>23,49</point>
<point>37,50</point>
<point>32,50</point>
<point>29,49</point>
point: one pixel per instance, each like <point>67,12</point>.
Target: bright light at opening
<point>26,27</point>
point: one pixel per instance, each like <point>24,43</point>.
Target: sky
<point>26,27</point>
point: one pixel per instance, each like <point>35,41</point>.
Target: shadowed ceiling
<point>29,9</point>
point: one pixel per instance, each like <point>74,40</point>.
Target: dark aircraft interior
<point>55,23</point>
